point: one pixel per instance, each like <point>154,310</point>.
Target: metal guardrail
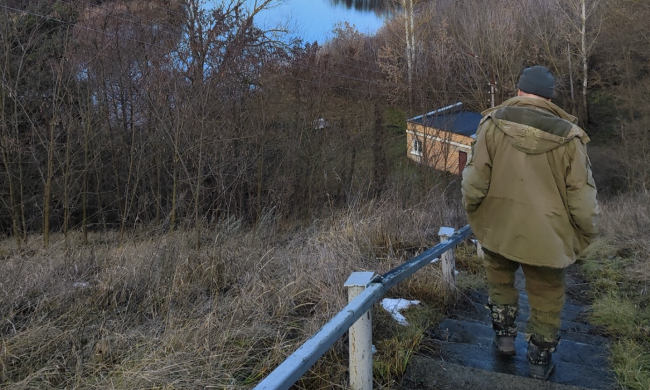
<point>288,373</point>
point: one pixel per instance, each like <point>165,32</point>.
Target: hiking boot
<point>540,357</point>
<point>505,329</point>
<point>505,345</point>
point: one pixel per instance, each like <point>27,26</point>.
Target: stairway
<point>467,358</point>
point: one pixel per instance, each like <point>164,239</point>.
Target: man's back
<point>528,187</point>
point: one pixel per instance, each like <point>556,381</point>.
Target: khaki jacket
<point>528,188</point>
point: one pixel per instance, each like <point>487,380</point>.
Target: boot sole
<point>502,352</point>
<point>506,353</point>
<point>543,377</point>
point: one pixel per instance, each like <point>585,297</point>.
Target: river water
<point>314,20</point>
<point>376,6</point>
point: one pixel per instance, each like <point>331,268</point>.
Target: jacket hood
<point>534,125</point>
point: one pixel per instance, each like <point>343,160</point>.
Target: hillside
<point>183,192</point>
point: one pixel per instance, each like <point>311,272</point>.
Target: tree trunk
<point>260,178</point>
<point>379,157</point>
<point>84,195</point>
<point>197,194</point>
<point>6,159</point>
<point>585,64</point>
<point>172,216</point>
<point>66,188</point>
<point>573,98</point>
<point>47,194</point>
<point>129,193</point>
<point>408,29</point>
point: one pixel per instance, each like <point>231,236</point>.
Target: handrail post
<point>289,371</point>
<point>448,260</point>
<point>360,340</point>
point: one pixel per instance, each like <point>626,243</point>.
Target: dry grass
<point>618,266</point>
<point>154,312</point>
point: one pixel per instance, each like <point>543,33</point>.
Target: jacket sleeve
<point>581,192</point>
<point>478,171</point>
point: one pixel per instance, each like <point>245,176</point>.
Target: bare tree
<point>581,27</point>
<point>408,31</point>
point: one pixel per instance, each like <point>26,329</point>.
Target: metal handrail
<point>288,373</point>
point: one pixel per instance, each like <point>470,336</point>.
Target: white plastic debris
<point>393,306</point>
<point>437,259</point>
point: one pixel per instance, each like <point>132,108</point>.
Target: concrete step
<point>577,364</point>
<point>468,360</point>
<point>565,373</point>
<point>427,373</point>
<point>588,354</point>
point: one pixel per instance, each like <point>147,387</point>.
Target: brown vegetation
<point>131,114</point>
<point>153,311</point>
<point>182,194</point>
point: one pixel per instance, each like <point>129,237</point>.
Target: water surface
<point>314,20</point>
<point>377,6</point>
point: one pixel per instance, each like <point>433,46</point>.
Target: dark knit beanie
<point>537,80</point>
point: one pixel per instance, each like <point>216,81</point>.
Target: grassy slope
<point>153,312</point>
<point>618,266</point>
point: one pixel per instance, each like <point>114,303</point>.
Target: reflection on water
<point>379,7</point>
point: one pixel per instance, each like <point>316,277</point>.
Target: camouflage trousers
<point>546,294</point>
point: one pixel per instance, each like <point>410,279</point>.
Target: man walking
<point>531,201</point>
